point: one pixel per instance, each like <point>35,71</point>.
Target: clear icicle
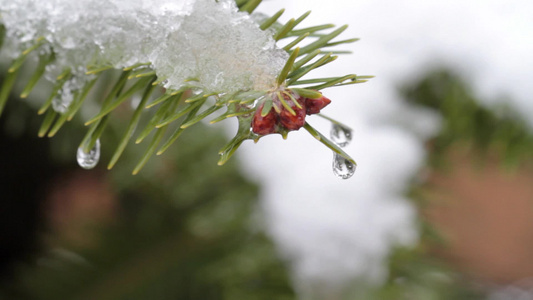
<point>341,135</point>
<point>342,167</point>
<point>89,160</point>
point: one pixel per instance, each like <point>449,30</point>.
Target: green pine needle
<point>140,84</point>
<point>135,66</point>
<point>131,127</point>
<point>91,71</point>
<point>161,99</point>
<point>288,66</point>
<point>312,29</point>
<point>307,93</point>
<point>47,122</point>
<point>300,63</point>
<point>164,110</point>
<point>332,82</point>
<point>201,116</point>
<point>270,21</point>
<point>178,131</point>
<point>282,32</point>
<point>160,132</point>
<point>64,117</point>
<point>180,113</point>
<point>285,104</point>
<point>317,135</point>
<point>74,107</point>
<point>299,73</point>
<point>289,46</point>
<point>250,6</point>
<point>301,18</point>
<point>97,133</point>
<point>44,60</point>
<point>3,34</point>
<point>5,90</point>
<point>321,42</point>
<point>227,151</point>
<point>266,107</point>
<point>296,103</point>
<point>17,63</point>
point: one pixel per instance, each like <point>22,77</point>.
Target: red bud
<point>290,121</point>
<point>264,125</point>
<point>313,106</point>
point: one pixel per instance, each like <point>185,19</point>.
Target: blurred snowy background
<point>336,231</point>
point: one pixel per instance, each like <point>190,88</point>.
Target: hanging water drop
<point>342,167</point>
<point>89,160</point>
<point>341,135</point>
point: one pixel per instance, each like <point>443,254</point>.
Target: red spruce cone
<point>313,106</point>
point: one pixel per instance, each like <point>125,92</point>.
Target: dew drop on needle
<point>342,167</point>
<point>89,160</point>
<point>341,135</point>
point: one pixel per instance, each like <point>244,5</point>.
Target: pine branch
<point>281,108</point>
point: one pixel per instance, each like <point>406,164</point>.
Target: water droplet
<point>341,135</point>
<point>342,167</point>
<point>89,160</point>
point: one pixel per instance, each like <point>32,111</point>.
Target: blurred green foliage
<point>183,229</point>
<point>415,273</point>
<point>466,120</point>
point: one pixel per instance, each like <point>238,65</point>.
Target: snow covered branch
<point>205,54</point>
